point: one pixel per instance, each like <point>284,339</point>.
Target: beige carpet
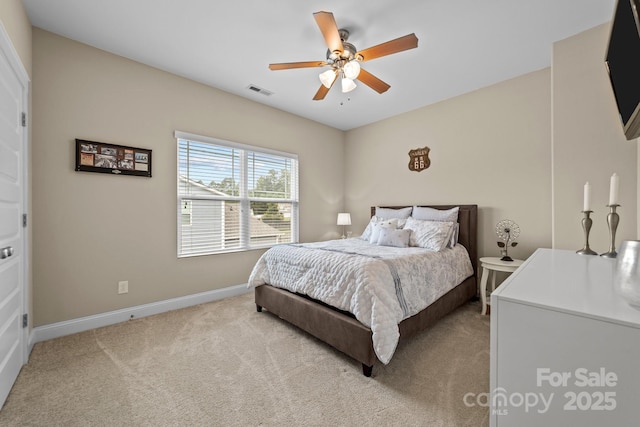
<point>224,364</point>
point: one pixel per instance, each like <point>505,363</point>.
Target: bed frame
<point>342,331</point>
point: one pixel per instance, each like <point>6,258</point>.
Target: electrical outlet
<point>123,287</point>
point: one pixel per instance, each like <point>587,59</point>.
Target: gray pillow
<point>431,214</point>
<point>388,213</point>
<point>433,235</point>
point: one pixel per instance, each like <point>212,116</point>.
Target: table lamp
<point>344,218</point>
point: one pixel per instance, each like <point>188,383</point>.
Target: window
<point>234,197</point>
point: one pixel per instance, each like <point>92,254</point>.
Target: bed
<point>360,339</point>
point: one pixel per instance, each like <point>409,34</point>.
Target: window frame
<point>243,198</point>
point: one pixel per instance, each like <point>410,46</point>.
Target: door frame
<point>7,48</point>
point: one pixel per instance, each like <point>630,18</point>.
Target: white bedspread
<point>380,285</point>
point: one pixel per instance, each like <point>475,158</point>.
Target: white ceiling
<point>463,44</point>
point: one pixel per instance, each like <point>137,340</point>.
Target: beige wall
<point>490,147</point>
<point>588,144</point>
<point>93,230</point>
<point>513,148</point>
<point>521,149</point>
<point>15,21</point>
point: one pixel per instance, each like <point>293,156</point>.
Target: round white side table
<point>490,265</point>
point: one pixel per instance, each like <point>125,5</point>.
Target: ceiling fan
<point>344,59</point>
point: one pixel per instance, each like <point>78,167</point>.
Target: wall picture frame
<point>102,157</point>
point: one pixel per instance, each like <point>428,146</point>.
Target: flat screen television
<point>623,64</point>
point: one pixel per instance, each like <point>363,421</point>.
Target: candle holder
<point>586,226</point>
<point>612,220</point>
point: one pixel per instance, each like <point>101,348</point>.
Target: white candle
<point>587,197</point>
<point>613,189</point>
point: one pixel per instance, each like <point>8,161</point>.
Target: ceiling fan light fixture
<point>347,85</point>
<point>344,58</point>
<point>328,77</point>
<point>351,69</point>
<point>349,51</point>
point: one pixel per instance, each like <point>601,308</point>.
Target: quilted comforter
<point>379,285</point>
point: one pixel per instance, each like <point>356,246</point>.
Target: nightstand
<point>490,265</point>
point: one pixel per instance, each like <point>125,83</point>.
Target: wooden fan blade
<point>407,42</point>
<point>321,93</point>
<point>329,29</point>
<point>290,65</point>
<point>372,81</point>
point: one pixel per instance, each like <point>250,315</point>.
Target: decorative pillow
<point>432,214</point>
<point>366,234</point>
<point>397,238</point>
<point>388,213</point>
<point>433,235</point>
<point>376,228</point>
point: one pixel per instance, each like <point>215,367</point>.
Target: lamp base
<point>506,258</point>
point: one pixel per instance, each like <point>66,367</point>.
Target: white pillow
<point>431,214</point>
<point>367,231</point>
<point>376,228</point>
<point>397,238</point>
<point>366,234</point>
<point>455,232</point>
<point>433,235</point>
<point>388,213</point>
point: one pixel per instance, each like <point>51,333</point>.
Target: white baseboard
<point>67,327</point>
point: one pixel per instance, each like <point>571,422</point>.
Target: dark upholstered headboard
<point>468,220</point>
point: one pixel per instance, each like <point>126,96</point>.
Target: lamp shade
<point>328,77</point>
<point>351,69</point>
<point>347,85</point>
<point>344,218</point>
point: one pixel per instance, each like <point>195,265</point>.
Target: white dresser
<point>565,349</point>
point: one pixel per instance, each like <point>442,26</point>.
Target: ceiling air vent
<point>257,89</point>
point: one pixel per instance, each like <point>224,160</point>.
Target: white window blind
<point>234,197</point>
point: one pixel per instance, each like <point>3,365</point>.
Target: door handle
<point>6,252</point>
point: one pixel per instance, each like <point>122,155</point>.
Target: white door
<point>13,89</point>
